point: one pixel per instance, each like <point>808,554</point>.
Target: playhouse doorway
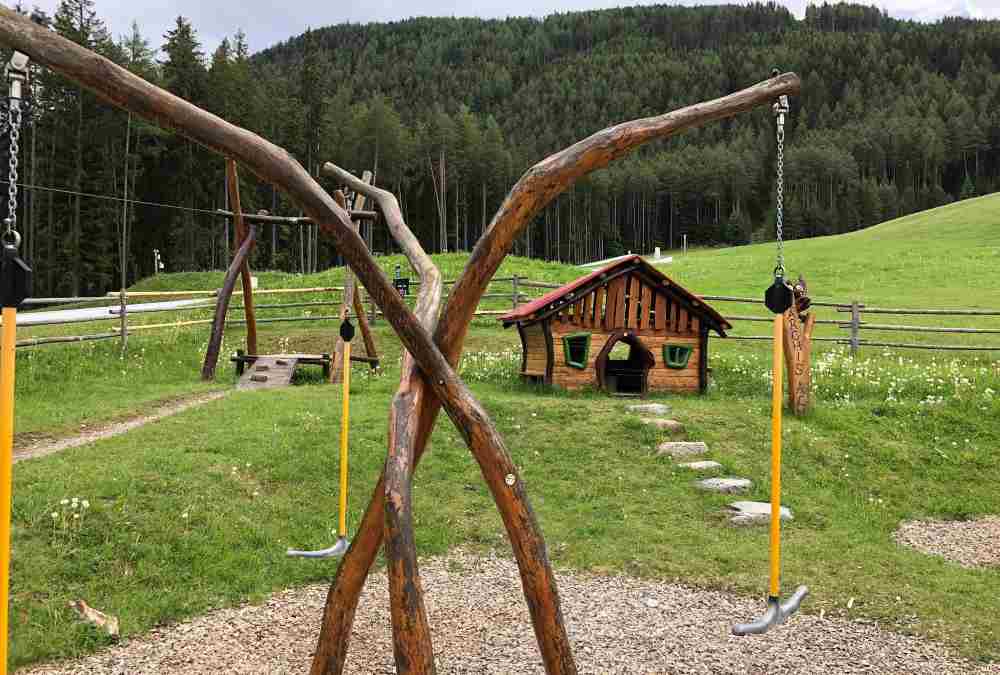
<point>623,365</point>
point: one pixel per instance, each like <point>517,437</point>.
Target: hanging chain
<point>780,111</point>
<point>16,74</point>
<point>15,134</point>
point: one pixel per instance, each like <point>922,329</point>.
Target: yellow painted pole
<point>8,340</point>
<point>344,426</point>
<point>776,403</point>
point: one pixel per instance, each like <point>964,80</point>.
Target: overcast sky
<point>267,22</point>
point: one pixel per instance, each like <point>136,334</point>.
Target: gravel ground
<point>48,447</point>
<point>970,543</point>
<point>481,625</point>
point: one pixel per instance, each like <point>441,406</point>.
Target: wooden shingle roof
<point>552,301</point>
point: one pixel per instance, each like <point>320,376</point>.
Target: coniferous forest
<point>894,117</point>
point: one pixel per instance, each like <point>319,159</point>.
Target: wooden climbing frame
<point>240,266</point>
<point>433,338</point>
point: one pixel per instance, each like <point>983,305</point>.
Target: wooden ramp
<point>269,372</point>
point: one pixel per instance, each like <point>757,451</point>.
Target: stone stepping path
<point>740,513</point>
<point>755,513</point>
<point>649,409</point>
<point>673,426</point>
<point>682,448</point>
<point>725,485</point>
<point>703,466</point>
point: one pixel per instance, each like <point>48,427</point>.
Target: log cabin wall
<point>661,377</point>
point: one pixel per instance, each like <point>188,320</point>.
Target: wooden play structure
<point>569,336</point>
<point>276,370</point>
<point>432,336</point>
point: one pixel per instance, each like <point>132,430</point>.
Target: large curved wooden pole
<point>412,644</point>
<point>222,304</point>
<point>273,164</point>
<point>536,189</point>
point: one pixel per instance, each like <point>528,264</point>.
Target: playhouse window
<point>577,348</point>
<point>676,356</point>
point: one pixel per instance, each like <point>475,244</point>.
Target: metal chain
<point>780,211</point>
<point>15,134</point>
<point>780,110</point>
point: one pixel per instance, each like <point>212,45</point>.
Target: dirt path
<point>481,625</point>
<point>34,449</point>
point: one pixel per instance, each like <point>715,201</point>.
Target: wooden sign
<point>798,350</point>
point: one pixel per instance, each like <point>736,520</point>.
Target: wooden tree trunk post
<point>366,331</point>
<point>349,285</point>
<point>855,327</point>
<point>233,184</point>
<point>222,306</point>
<point>536,189</point>
<point>411,630</point>
<point>123,319</point>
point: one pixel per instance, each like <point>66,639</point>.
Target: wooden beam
<point>366,331</point>
<point>233,184</point>
<point>222,306</point>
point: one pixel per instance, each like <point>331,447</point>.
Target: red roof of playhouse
<point>525,311</point>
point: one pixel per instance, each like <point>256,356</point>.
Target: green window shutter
<point>676,356</point>
<point>576,348</point>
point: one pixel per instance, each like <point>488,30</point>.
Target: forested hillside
<point>894,117</point>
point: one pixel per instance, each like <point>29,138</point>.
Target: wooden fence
<point>844,316</point>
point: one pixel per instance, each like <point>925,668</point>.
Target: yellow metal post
<point>776,403</point>
<point>344,426</point>
<point>7,345</point>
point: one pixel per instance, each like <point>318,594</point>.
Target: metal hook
<point>10,237</point>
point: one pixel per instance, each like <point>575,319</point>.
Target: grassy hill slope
<point>944,257</point>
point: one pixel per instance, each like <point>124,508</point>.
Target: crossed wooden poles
<point>433,339</point>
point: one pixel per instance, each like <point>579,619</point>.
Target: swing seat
<point>777,613</point>
<point>335,551</point>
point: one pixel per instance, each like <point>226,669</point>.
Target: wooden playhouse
<point>626,328</point>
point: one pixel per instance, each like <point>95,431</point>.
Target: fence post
<point>855,327</point>
<point>123,319</point>
<point>515,296</point>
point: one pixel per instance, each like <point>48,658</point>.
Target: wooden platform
<point>276,370</point>
<point>268,372</point>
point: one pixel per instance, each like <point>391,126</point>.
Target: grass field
<point>196,511</point>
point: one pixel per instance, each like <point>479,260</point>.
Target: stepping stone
<point>725,485</point>
<point>703,466</point>
<point>649,408</point>
<point>258,378</point>
<point>682,448</point>
<point>672,426</point>
<point>755,513</point>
